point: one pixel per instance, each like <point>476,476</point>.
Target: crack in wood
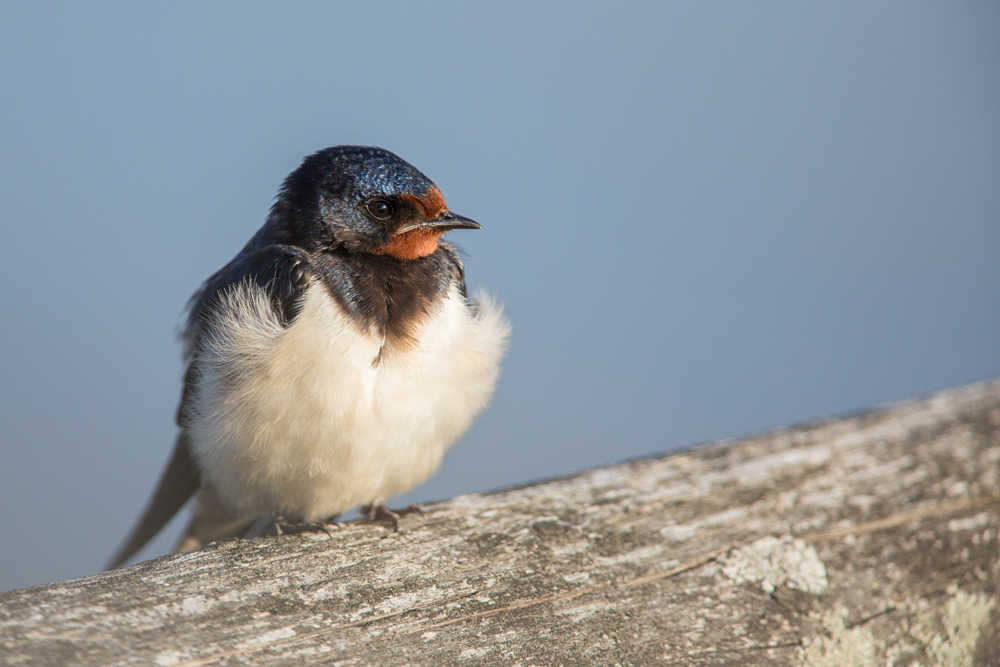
<point>903,518</point>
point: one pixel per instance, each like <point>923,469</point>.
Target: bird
<point>332,362</point>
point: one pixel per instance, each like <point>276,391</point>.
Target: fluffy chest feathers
<point>313,419</point>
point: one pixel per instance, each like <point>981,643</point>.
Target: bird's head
<point>363,199</point>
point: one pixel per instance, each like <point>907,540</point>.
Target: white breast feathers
<point>314,419</point>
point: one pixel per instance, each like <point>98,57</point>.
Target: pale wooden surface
<point>865,540</point>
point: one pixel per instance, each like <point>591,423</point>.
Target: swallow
<point>333,361</point>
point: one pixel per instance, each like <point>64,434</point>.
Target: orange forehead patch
<point>431,202</point>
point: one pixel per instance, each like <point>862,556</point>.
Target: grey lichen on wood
<point>866,540</point>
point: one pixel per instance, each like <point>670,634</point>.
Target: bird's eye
<point>379,209</point>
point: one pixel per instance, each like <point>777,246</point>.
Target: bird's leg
<point>284,527</point>
<point>379,512</point>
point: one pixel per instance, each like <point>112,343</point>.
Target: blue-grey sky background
<point>705,219</point>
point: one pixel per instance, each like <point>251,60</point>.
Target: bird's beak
<point>443,222</point>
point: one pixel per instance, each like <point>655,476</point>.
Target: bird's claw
<point>379,512</point>
<point>281,526</point>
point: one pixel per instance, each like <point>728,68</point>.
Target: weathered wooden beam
<point>863,540</point>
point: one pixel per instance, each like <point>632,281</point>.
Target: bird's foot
<point>292,277</point>
<point>282,526</point>
<point>379,512</point>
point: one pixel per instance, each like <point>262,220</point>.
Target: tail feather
<point>179,482</point>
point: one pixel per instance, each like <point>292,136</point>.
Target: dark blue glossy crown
<point>351,173</point>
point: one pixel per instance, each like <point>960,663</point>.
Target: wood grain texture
<point>871,539</point>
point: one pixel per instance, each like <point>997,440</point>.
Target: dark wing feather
<point>177,484</point>
<point>458,272</point>
<point>282,271</point>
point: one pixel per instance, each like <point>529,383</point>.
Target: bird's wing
<point>177,484</point>
<point>283,272</point>
<point>454,266</point>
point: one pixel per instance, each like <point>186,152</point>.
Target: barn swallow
<point>332,362</point>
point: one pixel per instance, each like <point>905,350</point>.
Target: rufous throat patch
<point>413,244</point>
